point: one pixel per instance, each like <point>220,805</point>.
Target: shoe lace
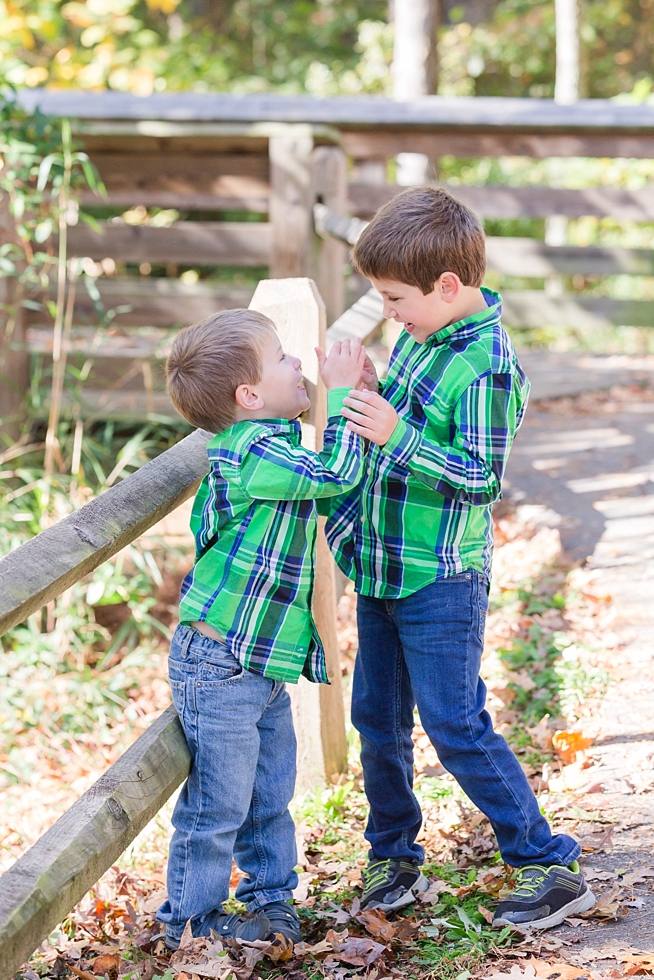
<point>376,874</point>
<point>528,881</point>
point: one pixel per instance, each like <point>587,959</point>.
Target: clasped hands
<point>368,414</point>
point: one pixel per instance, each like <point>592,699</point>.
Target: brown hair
<point>209,361</point>
<point>419,235</point>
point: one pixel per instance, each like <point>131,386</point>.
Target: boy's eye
<point>393,299</point>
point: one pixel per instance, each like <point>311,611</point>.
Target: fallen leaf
<point>541,969</point>
<point>281,949</point>
<point>567,744</point>
<point>637,877</point>
<point>436,888</point>
<point>607,906</point>
<point>375,922</point>
<point>301,892</point>
<point>593,874</point>
<point>108,963</point>
<point>485,913</point>
<point>359,952</point>
<point>151,903</point>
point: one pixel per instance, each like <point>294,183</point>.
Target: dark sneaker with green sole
<point>391,884</point>
<point>229,925</point>
<point>544,897</point>
<point>284,920</point>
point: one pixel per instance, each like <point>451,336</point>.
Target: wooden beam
<point>138,175</point>
<point>529,258</point>
<point>154,301</point>
<point>297,309</point>
<point>523,202</point>
<point>54,874</point>
<point>329,187</point>
<point>362,320</point>
<point>500,143</point>
<point>533,309</point>
<point>290,204</point>
<point>172,199</point>
<point>346,112</point>
<point>55,559</point>
<point>188,242</point>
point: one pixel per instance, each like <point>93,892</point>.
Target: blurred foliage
<point>143,46</point>
<point>318,46</point>
<point>512,52</point>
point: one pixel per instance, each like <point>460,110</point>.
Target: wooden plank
<point>329,188</point>
<point>501,143</point>
<point>523,202</point>
<point>54,874</point>
<point>297,309</point>
<point>55,559</point>
<point>531,309</point>
<point>181,202</point>
<point>290,204</point>
<point>184,175</point>
<point>529,258</point>
<point>362,320</point>
<point>154,301</point>
<point>343,111</point>
<point>188,242</point>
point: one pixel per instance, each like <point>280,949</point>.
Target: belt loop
<point>188,639</point>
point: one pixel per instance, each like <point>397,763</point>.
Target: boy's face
<point>281,387</point>
<point>420,315</point>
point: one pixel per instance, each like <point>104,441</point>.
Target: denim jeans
<point>239,730</point>
<point>425,649</point>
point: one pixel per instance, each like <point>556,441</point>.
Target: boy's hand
<point>343,367</point>
<point>370,416</point>
<point>369,380</point>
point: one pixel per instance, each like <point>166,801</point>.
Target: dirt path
<point>589,462</point>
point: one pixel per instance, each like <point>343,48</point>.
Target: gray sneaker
<point>391,884</point>
<point>544,897</point>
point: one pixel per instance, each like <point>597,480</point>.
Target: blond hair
<point>209,361</point>
<point>419,235</point>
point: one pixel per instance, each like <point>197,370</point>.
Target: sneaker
<point>391,883</point>
<point>283,920</point>
<point>544,897</point>
<point>229,925</point>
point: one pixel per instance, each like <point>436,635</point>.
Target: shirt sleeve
<point>276,470</point>
<point>470,468</point>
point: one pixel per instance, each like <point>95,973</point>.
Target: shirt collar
<point>276,427</point>
<point>493,311</point>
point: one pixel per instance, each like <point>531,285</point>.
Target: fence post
<point>329,180</point>
<point>297,309</point>
<point>14,359</point>
<point>290,201</point>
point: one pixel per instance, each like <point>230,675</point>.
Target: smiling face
<point>420,315</point>
<point>280,393</point>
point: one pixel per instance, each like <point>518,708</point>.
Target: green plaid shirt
<point>254,520</point>
<point>423,509</point>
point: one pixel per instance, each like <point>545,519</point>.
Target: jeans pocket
<point>224,671</point>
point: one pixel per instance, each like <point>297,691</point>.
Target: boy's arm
<point>486,418</point>
<point>275,470</point>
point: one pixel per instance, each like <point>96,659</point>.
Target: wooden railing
<point>44,884</point>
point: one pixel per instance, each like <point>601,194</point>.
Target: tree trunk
<point>415,70</point>
<point>568,59</point>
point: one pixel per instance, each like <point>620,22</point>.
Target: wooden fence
<point>270,159</point>
<point>287,159</point>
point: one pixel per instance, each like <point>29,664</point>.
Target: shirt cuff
<point>335,398</point>
<point>403,443</point>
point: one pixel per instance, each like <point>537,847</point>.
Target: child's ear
<point>248,398</point>
<point>449,285</point>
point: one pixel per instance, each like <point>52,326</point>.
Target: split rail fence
<point>287,159</point>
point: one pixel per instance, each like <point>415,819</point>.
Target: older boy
<point>245,617</point>
<point>416,537</point>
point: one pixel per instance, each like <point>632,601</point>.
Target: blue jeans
<point>239,729</point>
<point>425,649</point>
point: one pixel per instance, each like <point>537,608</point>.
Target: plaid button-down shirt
<point>254,521</point>
<point>423,509</point>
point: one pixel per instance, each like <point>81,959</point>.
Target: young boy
<point>245,616</point>
<point>416,537</point>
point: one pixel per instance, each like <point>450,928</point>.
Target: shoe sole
<point>583,903</point>
<point>420,886</point>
